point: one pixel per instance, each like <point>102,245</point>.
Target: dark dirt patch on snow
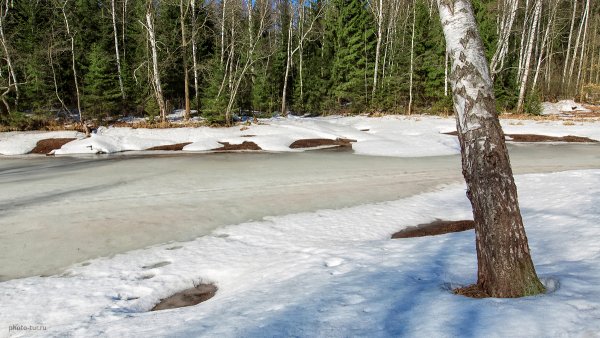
<point>540,138</point>
<point>171,147</point>
<point>47,145</point>
<point>321,142</point>
<point>246,145</point>
<point>189,297</point>
<point>437,227</point>
<point>545,138</point>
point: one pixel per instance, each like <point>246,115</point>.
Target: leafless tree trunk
<point>4,8</point>
<point>287,65</point>
<point>223,4</point>
<point>186,78</point>
<point>237,75</point>
<point>585,22</point>
<point>72,38</point>
<point>553,8</point>
<point>505,268</point>
<point>291,52</point>
<point>377,9</point>
<point>412,57</point>
<point>576,48</point>
<point>155,73</point>
<point>504,32</point>
<point>527,64</point>
<point>114,22</point>
<point>50,57</point>
<point>566,66</point>
<point>194,57</point>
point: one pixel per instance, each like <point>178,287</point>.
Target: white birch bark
<point>155,72</point>
<point>566,65</point>
<point>377,9</point>
<point>505,268</point>
<point>527,65</point>
<point>287,65</point>
<point>576,49</point>
<point>504,32</point>
<point>72,38</point>
<point>553,8</point>
<point>239,73</point>
<point>223,4</point>
<point>586,19</point>
<point>412,57</point>
<point>194,57</point>
<point>116,36</point>
<point>186,80</point>
<point>4,8</point>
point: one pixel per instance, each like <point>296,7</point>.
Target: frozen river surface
<point>56,211</point>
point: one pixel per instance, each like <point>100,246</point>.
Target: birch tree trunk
<point>377,8</point>
<point>156,75</point>
<point>3,13</point>
<point>586,19</point>
<point>527,64</point>
<point>504,33</point>
<point>287,66</point>
<point>504,264</point>
<point>553,8</point>
<point>64,12</point>
<point>223,4</point>
<point>194,57</point>
<point>564,78</point>
<point>412,58</point>
<point>186,77</point>
<point>576,48</point>
<point>116,35</point>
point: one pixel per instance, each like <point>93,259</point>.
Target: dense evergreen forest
<point>109,58</point>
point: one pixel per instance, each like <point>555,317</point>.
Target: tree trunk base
<point>478,291</point>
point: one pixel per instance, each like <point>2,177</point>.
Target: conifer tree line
<point>109,58</point>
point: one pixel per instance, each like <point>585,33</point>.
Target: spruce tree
<point>101,89</point>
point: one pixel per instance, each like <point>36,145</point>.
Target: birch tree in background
<point>73,62</point>
<point>117,54</point>
<point>504,31</point>
<point>12,77</point>
<point>186,77</point>
<point>151,36</point>
<point>505,268</point>
<point>528,50</point>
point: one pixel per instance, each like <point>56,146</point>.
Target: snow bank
<point>562,107</point>
<point>401,136</point>
<point>335,273</point>
<point>18,143</point>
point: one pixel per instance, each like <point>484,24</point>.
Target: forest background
<point>105,59</point>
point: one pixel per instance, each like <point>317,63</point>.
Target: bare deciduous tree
<point>504,264</point>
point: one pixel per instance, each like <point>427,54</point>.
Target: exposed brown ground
<point>472,291</point>
<point>319,142</point>
<point>172,147</point>
<point>47,145</point>
<point>545,138</point>
<point>246,145</point>
<point>437,227</point>
<point>541,138</point>
<point>189,297</point>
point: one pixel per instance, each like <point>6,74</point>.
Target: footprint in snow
<point>155,265</point>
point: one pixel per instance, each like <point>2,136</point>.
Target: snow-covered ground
<point>402,136</point>
<point>335,273</point>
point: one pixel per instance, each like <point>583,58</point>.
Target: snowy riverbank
<point>402,136</point>
<point>335,273</point>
